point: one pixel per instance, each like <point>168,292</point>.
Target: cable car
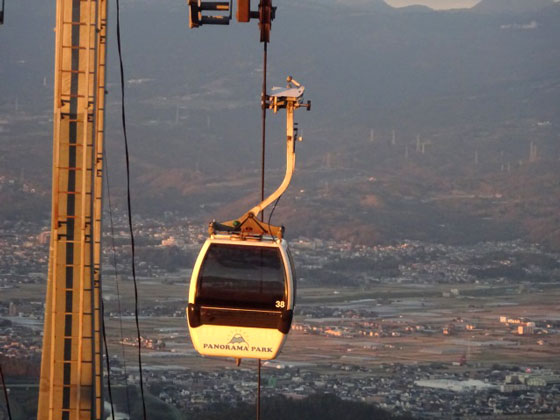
<point>242,290</point>
<point>241,297</point>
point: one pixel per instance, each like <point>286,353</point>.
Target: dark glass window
<point>294,275</point>
<point>238,276</point>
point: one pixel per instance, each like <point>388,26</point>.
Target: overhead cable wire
<point>264,107</point>
<point>119,310</point>
<point>259,389</point>
<point>128,200</point>
<point>5,393</point>
<point>107,358</point>
<point>273,208</point>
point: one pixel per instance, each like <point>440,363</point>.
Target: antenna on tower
<point>393,139</point>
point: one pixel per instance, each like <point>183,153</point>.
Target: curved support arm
<point>290,165</point>
<point>248,224</point>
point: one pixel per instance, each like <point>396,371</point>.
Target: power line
<point>128,200</point>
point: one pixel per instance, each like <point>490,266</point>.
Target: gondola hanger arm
<point>289,98</point>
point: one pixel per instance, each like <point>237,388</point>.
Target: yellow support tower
<point>71,367</point>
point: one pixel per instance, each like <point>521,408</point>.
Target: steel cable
<point>5,393</point>
<point>129,211</point>
<point>109,390</point>
<point>264,107</point>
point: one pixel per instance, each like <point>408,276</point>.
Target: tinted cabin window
<point>294,276</point>
<point>237,276</point>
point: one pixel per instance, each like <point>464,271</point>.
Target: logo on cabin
<point>238,339</point>
<point>237,343</point>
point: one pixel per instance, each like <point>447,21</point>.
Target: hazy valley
<point>422,126</point>
<point>423,215</point>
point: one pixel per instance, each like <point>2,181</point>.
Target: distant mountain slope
<point>468,94</point>
<point>372,5</point>
<point>416,8</point>
<point>511,6</point>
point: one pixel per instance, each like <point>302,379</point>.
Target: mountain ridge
<point>511,6</point>
<point>452,85</point>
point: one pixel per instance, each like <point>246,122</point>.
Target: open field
<point>361,343</point>
<point>489,342</point>
<point>411,317</point>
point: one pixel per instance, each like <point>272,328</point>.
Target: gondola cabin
<point>241,297</point>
